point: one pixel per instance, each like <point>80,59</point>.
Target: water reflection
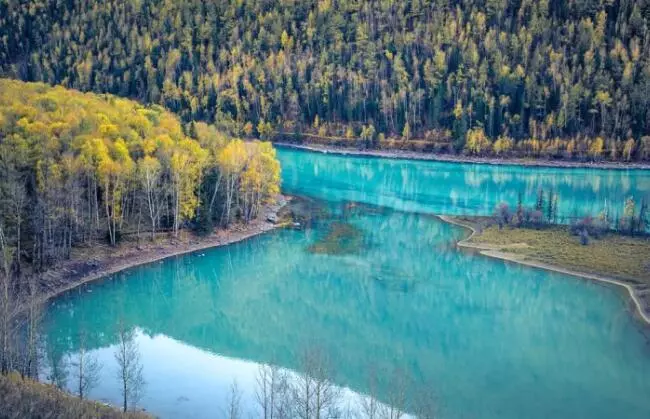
<point>448,188</point>
<point>488,339</point>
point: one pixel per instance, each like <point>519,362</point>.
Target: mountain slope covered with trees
<point>546,78</point>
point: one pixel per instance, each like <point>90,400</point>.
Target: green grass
<point>612,255</point>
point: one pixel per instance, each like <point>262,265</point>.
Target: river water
<point>376,287</point>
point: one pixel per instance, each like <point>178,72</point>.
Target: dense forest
<point>546,78</point>
<point>80,168</point>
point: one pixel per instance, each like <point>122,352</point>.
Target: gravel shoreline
<point>448,158</point>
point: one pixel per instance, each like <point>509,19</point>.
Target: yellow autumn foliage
<point>124,159</point>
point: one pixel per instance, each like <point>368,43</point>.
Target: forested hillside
<point>535,77</point>
<point>81,168</point>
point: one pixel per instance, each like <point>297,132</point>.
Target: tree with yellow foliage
<point>114,167</point>
<point>231,161</point>
<point>596,148</point>
<point>628,149</point>
<point>260,180</point>
<point>101,163</point>
<point>502,145</point>
<point>477,143</point>
<point>150,176</point>
<point>186,167</point>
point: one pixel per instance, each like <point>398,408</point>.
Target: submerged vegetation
<point>555,79</point>
<point>342,238</point>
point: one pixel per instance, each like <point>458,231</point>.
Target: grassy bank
<point>612,258</point>
<point>25,398</point>
<point>614,255</point>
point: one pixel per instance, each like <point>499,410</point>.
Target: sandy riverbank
<point>449,158</point>
<point>99,261</point>
<point>638,294</point>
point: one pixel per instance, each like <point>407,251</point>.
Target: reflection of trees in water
<point>266,298</point>
<point>312,392</point>
<point>456,188</point>
<point>214,303</point>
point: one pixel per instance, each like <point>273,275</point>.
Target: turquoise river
<point>375,284</point>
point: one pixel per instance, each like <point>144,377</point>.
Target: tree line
<point>526,77</point>
<point>81,169</point>
<point>633,221</point>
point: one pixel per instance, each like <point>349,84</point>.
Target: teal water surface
<point>481,337</point>
<point>458,188</point>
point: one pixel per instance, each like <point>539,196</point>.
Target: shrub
<point>502,214</point>
<point>589,226</point>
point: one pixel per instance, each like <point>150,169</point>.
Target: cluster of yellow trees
<point>523,69</point>
<point>478,143</point>
<point>581,147</point>
<point>76,166</point>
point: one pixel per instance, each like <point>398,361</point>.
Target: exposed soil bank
<point>99,261</point>
<point>414,155</point>
<point>639,293</point>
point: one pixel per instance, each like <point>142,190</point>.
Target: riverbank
<point>608,260</point>
<point>449,158</point>
<point>25,398</point>
<point>91,263</point>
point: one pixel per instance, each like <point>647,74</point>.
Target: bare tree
<point>369,405</point>
<point>272,392</point>
<point>264,393</point>
<point>130,367</point>
<point>234,402</point>
<point>8,307</point>
<point>396,405</point>
<point>33,323</point>
<point>86,368</point>
<point>58,369</point>
<point>424,403</point>
<point>314,394</point>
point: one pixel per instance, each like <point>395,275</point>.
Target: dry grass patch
<point>24,398</point>
<point>612,255</point>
